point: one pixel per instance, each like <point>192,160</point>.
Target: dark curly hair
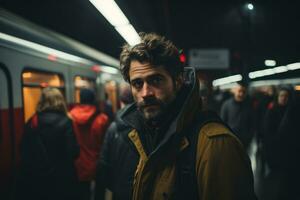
<point>154,49</point>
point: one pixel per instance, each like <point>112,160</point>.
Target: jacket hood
<point>83,114</point>
<point>188,108</point>
<point>120,123</point>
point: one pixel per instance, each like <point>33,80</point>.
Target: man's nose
<point>147,90</point>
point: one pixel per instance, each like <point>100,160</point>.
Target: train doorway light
<point>297,87</point>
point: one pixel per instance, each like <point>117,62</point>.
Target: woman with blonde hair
<point>48,151</point>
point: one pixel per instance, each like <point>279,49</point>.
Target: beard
<point>154,110</point>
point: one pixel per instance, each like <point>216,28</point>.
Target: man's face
<point>283,98</point>
<point>152,88</point>
<point>240,93</point>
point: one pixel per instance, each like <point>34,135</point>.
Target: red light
<point>182,58</point>
<point>96,68</point>
<point>52,57</point>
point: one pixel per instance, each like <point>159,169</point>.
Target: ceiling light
<point>114,15</point>
<point>129,34</point>
<point>111,11</point>
<point>280,69</point>
<point>270,63</point>
<point>293,66</point>
<point>227,80</point>
<point>250,6</point>
<point>261,73</point>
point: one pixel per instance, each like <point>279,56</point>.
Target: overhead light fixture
<point>270,63</point>
<point>114,15</point>
<point>280,69</point>
<point>293,66</point>
<point>227,80</point>
<point>129,33</point>
<point>261,73</point>
<point>111,11</point>
<point>250,6</point>
<point>275,70</point>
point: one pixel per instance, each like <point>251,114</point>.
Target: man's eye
<point>155,81</point>
<point>138,84</point>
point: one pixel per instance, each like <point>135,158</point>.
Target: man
<point>238,113</point>
<point>89,127</point>
<point>167,148</point>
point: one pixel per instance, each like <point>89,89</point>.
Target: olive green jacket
<point>223,170</point>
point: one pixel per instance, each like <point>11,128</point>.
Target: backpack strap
<point>186,186</point>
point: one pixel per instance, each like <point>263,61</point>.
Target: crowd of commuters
<point>163,143</point>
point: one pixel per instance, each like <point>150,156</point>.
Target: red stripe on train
<point>6,145</point>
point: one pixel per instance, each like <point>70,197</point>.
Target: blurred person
<point>48,152</point>
<point>280,142</point>
<point>116,128</point>
<point>238,113</point>
<point>126,97</point>
<point>271,124</point>
<point>287,149</point>
<point>168,148</point>
<point>89,126</point>
<point>263,100</point>
<point>108,108</point>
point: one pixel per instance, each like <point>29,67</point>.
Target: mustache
<point>149,102</point>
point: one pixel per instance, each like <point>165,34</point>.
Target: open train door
<point>7,141</point>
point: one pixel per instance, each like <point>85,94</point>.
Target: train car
<point>32,57</point>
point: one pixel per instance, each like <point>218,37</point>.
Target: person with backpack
<point>48,152</point>
<point>89,126</point>
<point>168,148</point>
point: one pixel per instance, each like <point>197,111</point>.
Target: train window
<point>42,79</point>
<point>33,82</point>
<point>83,82</point>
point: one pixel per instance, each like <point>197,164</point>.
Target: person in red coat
<point>89,126</point>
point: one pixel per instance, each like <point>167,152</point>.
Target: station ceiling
<point>270,31</point>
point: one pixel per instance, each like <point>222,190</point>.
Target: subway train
<point>32,57</point>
